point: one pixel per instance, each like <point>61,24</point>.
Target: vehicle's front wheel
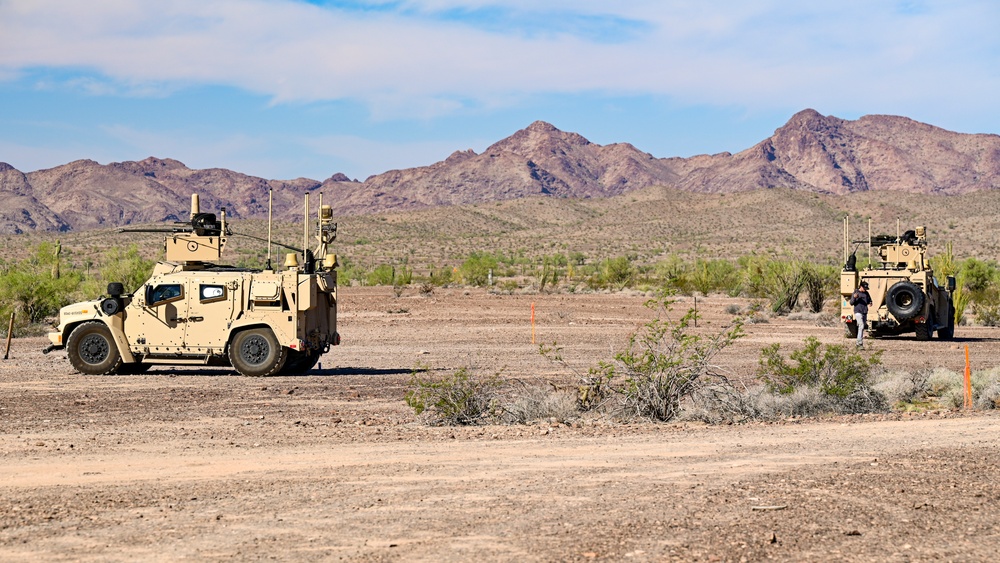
<point>947,332</point>
<point>92,349</point>
<point>256,353</point>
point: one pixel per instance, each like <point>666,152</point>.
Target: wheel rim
<point>255,350</point>
<point>94,349</point>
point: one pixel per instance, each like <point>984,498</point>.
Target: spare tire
<point>904,300</point>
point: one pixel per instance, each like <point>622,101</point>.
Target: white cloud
<point>432,57</point>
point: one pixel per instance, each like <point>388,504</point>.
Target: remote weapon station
<point>194,311</point>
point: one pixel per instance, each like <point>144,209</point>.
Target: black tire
<point>948,332</point>
<point>850,330</point>
<point>300,363</point>
<point>256,353</point>
<point>904,300</point>
<point>923,331</point>
<point>92,349</point>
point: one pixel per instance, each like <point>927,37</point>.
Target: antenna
<point>869,243</point>
<point>305,232</point>
<point>270,202</point>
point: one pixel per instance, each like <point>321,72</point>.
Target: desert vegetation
<point>666,372</point>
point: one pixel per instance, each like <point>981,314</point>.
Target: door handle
<point>196,319</point>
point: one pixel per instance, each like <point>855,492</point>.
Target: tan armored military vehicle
<point>193,311</point>
<point>906,297</point>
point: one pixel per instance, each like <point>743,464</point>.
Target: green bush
<point>440,276</point>
<point>459,399</point>
<point>475,270</point>
<point>383,274</point>
<point>35,288</point>
<point>119,265</point>
<point>662,365</point>
<point>836,370</point>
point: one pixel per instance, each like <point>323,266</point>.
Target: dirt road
<point>206,465</point>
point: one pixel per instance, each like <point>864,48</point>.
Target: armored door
<point>212,303</point>
<point>156,317</point>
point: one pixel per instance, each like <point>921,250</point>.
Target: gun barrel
<point>154,230</point>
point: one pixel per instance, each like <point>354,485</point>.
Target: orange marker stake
<point>532,322</point>
<point>968,379</point>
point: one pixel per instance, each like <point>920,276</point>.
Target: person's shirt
<point>861,300</point>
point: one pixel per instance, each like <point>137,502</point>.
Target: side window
<point>163,293</point>
<point>208,293</point>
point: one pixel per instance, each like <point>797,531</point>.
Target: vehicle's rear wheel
<point>92,349</point>
<point>299,363</point>
<point>256,353</point>
<point>923,331</point>
<point>851,330</point>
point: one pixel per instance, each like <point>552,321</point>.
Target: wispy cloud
<point>437,56</point>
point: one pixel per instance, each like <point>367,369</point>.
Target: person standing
<point>861,300</point>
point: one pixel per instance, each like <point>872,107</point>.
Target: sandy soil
<point>207,465</point>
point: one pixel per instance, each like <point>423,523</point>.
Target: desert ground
<point>202,464</point>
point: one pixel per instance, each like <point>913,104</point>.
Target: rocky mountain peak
<point>538,137</point>
<point>811,152</point>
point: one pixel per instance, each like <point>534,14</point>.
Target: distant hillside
<point>811,153</point>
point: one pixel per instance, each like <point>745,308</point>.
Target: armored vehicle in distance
<point>906,296</point>
<point>193,311</point>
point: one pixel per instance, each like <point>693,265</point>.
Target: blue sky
<point>290,88</point>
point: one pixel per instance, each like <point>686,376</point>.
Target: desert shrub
<point>733,309</point>
<point>662,365</point>
<point>508,286</point>
<point>863,399</point>
<point>117,265</point>
<point>538,401</point>
<point>350,271</point>
<point>383,274</point>
<point>616,273</point>
<point>986,306</point>
<point>904,388</point>
<point>441,276</point>
<point>780,282</point>
<point>475,270</point>
<point>819,282</point>
<point>728,404</point>
<point>723,402</point>
<point>943,382</point>
<point>803,401</point>
<point>458,399</point>
<point>34,289</point>
<point>988,397</point>
<point>836,370</point>
<point>707,276</point>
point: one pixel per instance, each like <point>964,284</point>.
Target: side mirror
<point>951,283</point>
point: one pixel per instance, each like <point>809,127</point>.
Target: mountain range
<point>811,152</point>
